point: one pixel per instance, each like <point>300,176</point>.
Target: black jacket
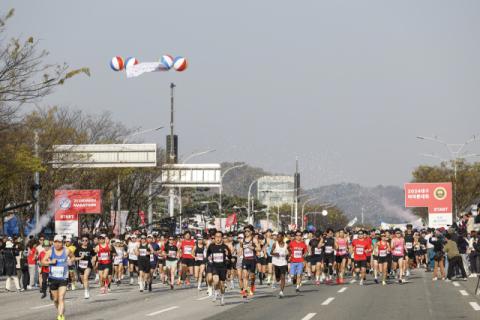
<point>11,261</point>
<point>437,245</point>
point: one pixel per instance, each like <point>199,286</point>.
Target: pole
<point>362,215</point>
<point>119,201</point>
<point>150,204</point>
<point>37,183</point>
<point>172,155</point>
<point>295,191</point>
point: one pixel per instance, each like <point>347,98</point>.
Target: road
<point>417,298</point>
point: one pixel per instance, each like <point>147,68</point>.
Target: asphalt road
<point>417,298</point>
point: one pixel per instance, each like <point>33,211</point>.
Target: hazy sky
<point>344,85</point>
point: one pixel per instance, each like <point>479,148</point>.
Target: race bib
<point>218,257</point>
<point>187,250</point>
<point>262,254</point>
<point>143,252</point>
<point>117,260</point>
<point>398,250</point>
<point>417,248</point>
<point>83,264</point>
<point>423,247</point>
<point>104,256</point>
<point>248,253</point>
<point>382,253</point>
<point>409,245</point>
<point>297,254</point>
<point>281,255</point>
<point>152,259</point>
<point>133,256</point>
<point>172,254</point>
<point>328,249</point>
<point>342,250</point>
<point>318,251</point>
<point>199,256</point>
<point>359,251</point>
<point>57,272</point>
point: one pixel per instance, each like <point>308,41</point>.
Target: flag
<point>138,69</point>
<point>351,223</point>
<point>231,220</point>
<point>142,216</point>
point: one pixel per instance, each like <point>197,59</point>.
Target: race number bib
<point>359,251</point>
<point>417,248</point>
<point>218,257</point>
<point>199,256</point>
<point>318,251</point>
<point>409,245</point>
<point>57,272</point>
<point>342,250</point>
<point>117,260</point>
<point>104,256</point>
<point>328,249</point>
<point>187,250</point>
<point>398,250</point>
<point>248,253</point>
<point>152,259</point>
<point>297,254</point>
<point>423,247</point>
<point>172,254</point>
<point>281,255</point>
<point>83,264</point>
<point>133,256</point>
<point>382,253</point>
<point>262,254</point>
<point>143,252</point>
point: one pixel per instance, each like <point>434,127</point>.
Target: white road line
<point>327,301</point>
<point>464,292</point>
<point>309,316</point>
<point>475,306</point>
<point>152,314</point>
<point>353,281</point>
<point>456,284</point>
<point>343,289</point>
<point>204,298</point>
<point>47,305</point>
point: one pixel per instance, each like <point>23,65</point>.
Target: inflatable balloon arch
<point>179,63</point>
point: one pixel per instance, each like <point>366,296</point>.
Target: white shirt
<point>131,251</point>
<point>427,237</point>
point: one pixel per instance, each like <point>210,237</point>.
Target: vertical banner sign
<point>217,224</point>
<point>436,196</point>
<point>69,204</point>
<point>231,220</point>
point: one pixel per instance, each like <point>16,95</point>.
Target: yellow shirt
<point>71,248</point>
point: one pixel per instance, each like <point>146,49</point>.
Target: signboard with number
<point>436,196</point>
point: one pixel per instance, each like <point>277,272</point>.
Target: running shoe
<point>109,290</point>
<point>210,292</point>
<point>215,297</point>
<point>376,280</point>
<point>184,286</point>
<point>179,282</point>
<point>448,280</point>
<point>341,280</point>
<point>328,282</point>
<point>141,287</point>
<point>297,290</point>
<point>251,292</point>
<point>171,287</point>
<point>131,281</point>
<point>242,292</point>
<point>384,283</point>
<point>245,294</point>
<point>280,295</point>
<point>268,282</point>
<point>44,295</point>
<point>103,290</point>
<point>188,281</point>
<point>222,303</point>
<point>73,286</point>
<point>69,287</point>
<point>317,282</point>
<point>253,288</point>
<point>408,273</point>
<point>434,279</point>
<point>87,294</point>
<point>400,281</point>
<point>361,282</point>
<point>300,284</point>
<point>338,280</point>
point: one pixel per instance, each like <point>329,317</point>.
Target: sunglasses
<point>84,240</point>
<point>247,231</point>
<point>143,238</point>
<point>101,238</point>
<point>225,238</point>
<point>298,235</point>
<point>398,233</point>
<point>170,239</point>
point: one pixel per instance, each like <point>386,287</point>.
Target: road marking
<point>152,314</point>
<point>309,316</point>
<point>327,301</point>
<point>47,305</point>
<point>353,281</point>
<point>456,284</point>
<point>343,289</point>
<point>105,294</point>
<point>464,292</point>
<point>204,298</point>
<point>475,306</point>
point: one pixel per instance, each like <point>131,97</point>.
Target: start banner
<point>436,196</point>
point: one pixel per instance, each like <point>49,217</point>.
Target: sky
<point>345,86</point>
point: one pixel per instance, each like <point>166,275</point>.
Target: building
<point>275,190</point>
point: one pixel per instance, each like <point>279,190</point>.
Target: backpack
<point>477,218</point>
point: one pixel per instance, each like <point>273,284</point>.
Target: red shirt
<point>298,248</point>
<point>44,269</point>
<point>31,256</point>
<point>370,242</point>
<point>103,254</point>
<point>187,247</point>
<point>359,247</point>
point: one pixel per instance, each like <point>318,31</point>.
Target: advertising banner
<point>69,204</point>
<point>436,196</point>
<point>231,220</point>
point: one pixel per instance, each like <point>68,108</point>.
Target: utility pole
<point>172,154</point>
<point>150,205</point>
<point>362,214</point>
<point>36,177</point>
<point>296,191</point>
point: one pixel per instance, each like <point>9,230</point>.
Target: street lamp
<point>221,178</point>
<point>303,207</point>
<point>248,205</point>
<point>207,203</point>
<point>455,155</point>
<point>239,208</point>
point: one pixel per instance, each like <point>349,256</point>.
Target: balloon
<point>180,63</point>
<point>167,60</point>
<point>324,212</point>
<point>305,219</point>
<point>117,63</point>
<point>259,225</point>
<point>310,228</point>
<point>130,62</point>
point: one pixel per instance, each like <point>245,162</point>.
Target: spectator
<point>10,266</point>
<point>462,249</point>
<point>472,252</point>
<point>32,257</point>
<point>20,274</point>
<point>453,255</point>
<point>438,247</point>
<point>2,250</point>
<point>469,223</point>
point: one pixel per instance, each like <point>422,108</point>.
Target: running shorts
<point>233,264</point>
<point>198,263</point>
<point>248,264</point>
<point>133,262</point>
<point>279,270</point>
<point>101,267</point>
<point>262,261</point>
<point>411,254</point>
<point>144,265</point>
<point>418,253</point>
<point>239,264</point>
<point>339,259</point>
<point>396,258</point>
<point>81,271</point>
<point>209,268</point>
<point>382,260</point>
<point>55,284</point>
<point>296,268</point>
<point>269,259</point>
<point>316,259</point>
<point>360,264</point>
<point>308,259</point>
<point>125,262</point>
<point>220,272</point>
<point>170,264</point>
<point>330,259</point>
<point>375,257</point>
<point>188,262</point>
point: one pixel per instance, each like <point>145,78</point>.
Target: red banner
<point>436,196</point>
<point>142,216</point>
<point>231,220</point>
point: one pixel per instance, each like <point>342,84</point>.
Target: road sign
<point>436,196</point>
<point>104,156</point>
<point>191,175</point>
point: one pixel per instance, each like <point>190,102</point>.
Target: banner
<point>217,224</point>
<point>123,219</point>
<point>436,196</point>
<point>138,69</point>
<point>142,216</point>
<point>351,223</point>
<point>231,220</point>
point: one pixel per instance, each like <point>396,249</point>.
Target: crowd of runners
<point>235,260</point>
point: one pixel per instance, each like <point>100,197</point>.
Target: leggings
<point>473,261</point>
<point>44,282</point>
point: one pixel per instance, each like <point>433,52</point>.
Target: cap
<point>275,233</point>
<point>117,241</point>
<point>133,236</point>
<point>269,230</point>
<point>438,234</point>
<point>199,237</point>
<point>46,243</point>
<point>318,233</point>
<point>68,239</point>
<point>58,238</point>
<point>241,236</point>
<point>377,232</point>
<point>451,230</point>
<point>305,237</point>
<point>260,237</point>
<point>149,236</point>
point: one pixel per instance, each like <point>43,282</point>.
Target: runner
<point>171,254</point>
<point>103,257</point>
<point>217,254</point>
<point>153,259</point>
<point>45,271</point>
<point>410,256</point>
<point>381,250</point>
<point>308,260</point>
<point>315,249</point>
<point>279,260</point>
<point>269,241</point>
<point>341,257</point>
<point>71,269</point>
<point>261,259</point>
<point>359,248</point>
<point>132,258</point>
<point>374,256</point>
<point>199,252</point>
<point>230,264</point>
<point>143,251</point>
<point>248,246</point>
<point>58,259</point>
<point>209,269</point>
<point>84,256</point>
<point>328,255</point>
<point>398,247</point>
<point>239,262</point>
<point>297,251</point>
<point>118,261</point>
<point>188,260</point>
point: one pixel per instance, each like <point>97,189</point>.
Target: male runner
<point>188,260</point>
<point>153,259</point>
<point>143,251</point>
<point>315,249</point>
<point>103,257</point>
<point>239,262</point>
<point>58,259</point>
<point>297,251</point>
<point>171,253</point>
<point>269,243</point>
<point>410,256</point>
<point>217,254</point>
<point>309,255</point>
<point>248,246</point>
<point>328,255</point>
<point>132,258</point>
<point>279,260</point>
<point>71,269</point>
<point>360,247</point>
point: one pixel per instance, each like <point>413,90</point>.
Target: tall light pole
<point>248,207</point>
<point>221,178</point>
<point>149,188</point>
<point>36,187</point>
<point>455,155</point>
<point>296,209</point>
<point>303,208</point>
<point>219,206</point>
